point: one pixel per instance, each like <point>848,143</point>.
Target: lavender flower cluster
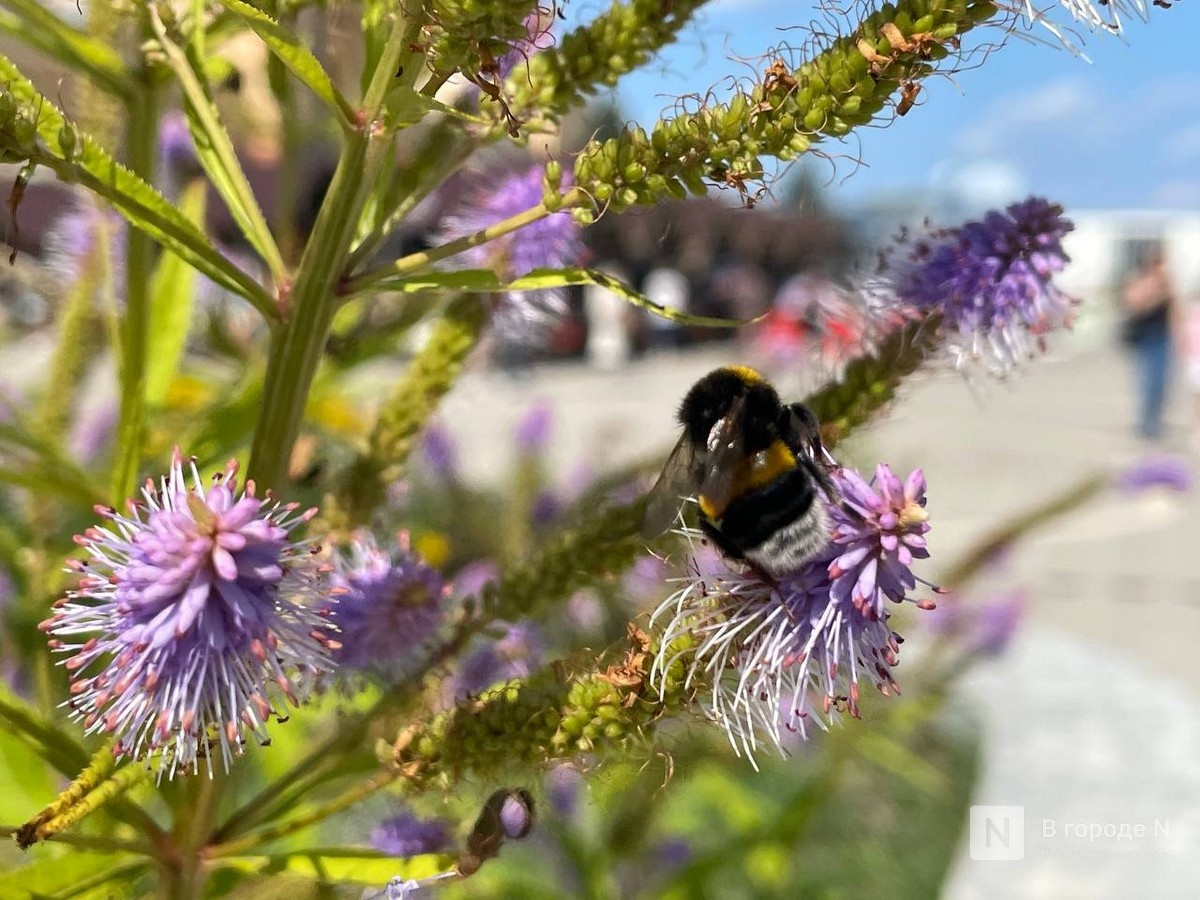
<point>197,618</point>
<point>991,282</point>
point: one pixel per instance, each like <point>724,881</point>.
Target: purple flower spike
<point>405,835</point>
<point>781,654</point>
<point>997,621</point>
<point>986,627</point>
<point>1162,470</point>
<point>440,451</point>
<point>197,618</point>
<point>877,531</point>
<point>176,151</point>
<point>992,282</point>
<point>72,237</point>
<point>549,243</point>
<point>389,608</point>
<point>533,430</point>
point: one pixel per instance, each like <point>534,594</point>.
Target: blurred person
<point>609,332</point>
<point>1150,307</point>
<point>668,288</point>
<point>1191,354</point>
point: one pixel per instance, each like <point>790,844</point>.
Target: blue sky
<point>1123,131</point>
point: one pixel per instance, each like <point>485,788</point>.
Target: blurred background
<point>1078,699</point>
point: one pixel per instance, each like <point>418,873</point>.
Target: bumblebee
<point>755,466</point>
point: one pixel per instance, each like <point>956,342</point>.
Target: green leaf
<point>34,463</point>
<point>145,208</point>
<point>75,874</point>
<point>55,748</point>
<point>484,281</point>
<point>898,760</point>
<point>341,864</point>
<point>214,148</point>
<point>172,294</point>
<point>292,52</point>
<point>40,28</point>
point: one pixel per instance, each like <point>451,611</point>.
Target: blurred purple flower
<point>93,429</point>
<point>981,626</point>
<point>405,835</point>
<point>176,151</point>
<point>585,611</point>
<point>516,653</point>
<point>546,508</point>
<point>671,854</point>
<point>551,242</point>
<point>193,620</point>
<point>440,451</point>
<point>1159,470</point>
<point>73,235</point>
<point>991,281</point>
<point>997,620</point>
<point>788,651</point>
<point>474,576</point>
<point>390,609</point>
<point>646,578</point>
<point>538,25</point>
<point>564,785</point>
<point>533,429</point>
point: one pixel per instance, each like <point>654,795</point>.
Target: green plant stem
<point>42,827</point>
<point>343,801</point>
<point>311,769</point>
<point>418,262</point>
<point>94,843</point>
<point>297,346</point>
<point>186,871</point>
<point>140,137</point>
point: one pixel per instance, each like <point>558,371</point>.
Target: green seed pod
<point>66,141</point>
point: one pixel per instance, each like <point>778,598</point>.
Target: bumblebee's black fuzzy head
<point>713,396</point>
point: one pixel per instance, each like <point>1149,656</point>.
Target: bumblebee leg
<point>802,433</point>
<point>723,543</point>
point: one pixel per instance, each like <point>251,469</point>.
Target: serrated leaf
<point>214,148</point>
<point>144,207</point>
<point>299,59</point>
<point>487,282</point>
<point>172,296</point>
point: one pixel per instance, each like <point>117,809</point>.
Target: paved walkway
<point>1093,717</point>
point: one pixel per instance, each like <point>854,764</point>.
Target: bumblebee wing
<point>675,482</point>
<point>724,462</point>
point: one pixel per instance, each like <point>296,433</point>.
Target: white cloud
<point>1063,103</point>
